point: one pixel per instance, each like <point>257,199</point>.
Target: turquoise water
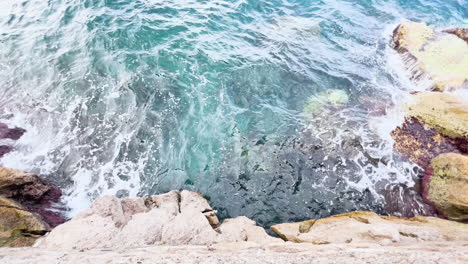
<point>139,97</point>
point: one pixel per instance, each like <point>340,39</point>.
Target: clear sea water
<point>137,97</point>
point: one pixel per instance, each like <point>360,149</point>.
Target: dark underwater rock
<point>9,133</point>
<point>404,201</point>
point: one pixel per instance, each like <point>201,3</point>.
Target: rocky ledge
<point>173,218</point>
<point>434,134</point>
<point>26,203</point>
<point>245,252</point>
<point>181,227</point>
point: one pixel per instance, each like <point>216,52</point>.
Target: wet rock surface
<point>439,56</point>
<point>420,143</point>
<point>26,205</point>
<point>404,201</point>
<point>19,227</point>
<point>7,133</point>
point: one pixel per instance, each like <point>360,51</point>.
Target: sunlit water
<point>137,97</point>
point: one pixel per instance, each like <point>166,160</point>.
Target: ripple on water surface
<point>278,110</point>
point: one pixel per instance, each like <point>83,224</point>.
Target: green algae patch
<point>18,227</point>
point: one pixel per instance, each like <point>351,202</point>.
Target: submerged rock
<point>436,123</point>
<point>446,185</point>
<point>404,201</point>
<point>9,133</point>
<point>174,218</point>
<point>363,227</point>
<point>440,56</point>
<point>330,98</point>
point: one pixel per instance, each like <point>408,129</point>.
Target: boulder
<point>442,111</point>
<point>445,185</point>
<point>368,227</point>
<point>173,218</point>
<point>16,183</point>
<point>25,207</point>
<point>33,193</point>
<point>440,56</point>
<point>436,123</point>
<point>19,227</point>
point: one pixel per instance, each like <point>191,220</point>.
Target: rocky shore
<point>181,226</point>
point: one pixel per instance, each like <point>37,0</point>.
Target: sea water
<point>278,110</point>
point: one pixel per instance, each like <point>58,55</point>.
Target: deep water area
<point>276,110</point>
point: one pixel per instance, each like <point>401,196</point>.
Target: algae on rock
<point>18,227</point>
<point>331,97</point>
<point>447,186</point>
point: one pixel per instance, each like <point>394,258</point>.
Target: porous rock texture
<point>440,56</point>
<point>173,218</point>
<point>18,227</point>
<point>445,185</point>
<point>368,227</point>
<point>245,252</point>
<point>25,200</point>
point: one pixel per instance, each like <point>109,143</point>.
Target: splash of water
<point>139,97</point>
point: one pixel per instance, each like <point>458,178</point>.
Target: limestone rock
<point>436,123</point>
<point>19,183</point>
<point>19,227</point>
<point>440,56</point>
<point>365,227</point>
<point>173,218</point>
<point>446,185</point>
<point>452,252</point>
<point>244,229</point>
<point>441,111</point>
<point>31,194</point>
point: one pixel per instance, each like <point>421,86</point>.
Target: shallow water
<point>136,97</point>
